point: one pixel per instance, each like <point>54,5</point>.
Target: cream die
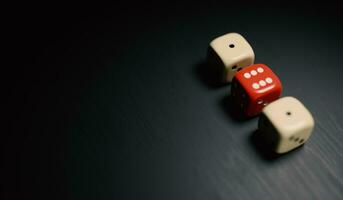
<point>286,124</point>
<point>232,52</point>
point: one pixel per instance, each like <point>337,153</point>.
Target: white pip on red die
<point>231,53</point>
<point>254,87</point>
<point>285,124</point>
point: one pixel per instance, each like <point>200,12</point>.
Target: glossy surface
<point>257,86</point>
<point>290,120</point>
<point>235,53</point>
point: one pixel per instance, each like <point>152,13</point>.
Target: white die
<point>234,53</point>
<point>286,124</point>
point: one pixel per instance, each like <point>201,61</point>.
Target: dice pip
<point>230,53</point>
<point>285,124</point>
<point>253,88</point>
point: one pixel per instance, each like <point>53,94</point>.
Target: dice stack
<point>284,123</point>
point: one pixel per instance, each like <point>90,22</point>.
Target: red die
<point>254,87</point>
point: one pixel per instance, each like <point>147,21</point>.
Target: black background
<point>117,102</point>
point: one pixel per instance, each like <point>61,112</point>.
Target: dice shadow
<point>210,76</point>
<point>265,150</point>
<point>232,111</point>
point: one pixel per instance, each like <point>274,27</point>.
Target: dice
<point>230,53</point>
<point>285,124</point>
<point>253,88</point>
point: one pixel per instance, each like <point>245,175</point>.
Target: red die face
<point>254,87</point>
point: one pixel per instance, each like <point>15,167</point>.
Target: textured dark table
<point>119,104</point>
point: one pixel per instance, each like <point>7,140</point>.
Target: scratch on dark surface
<point>335,123</point>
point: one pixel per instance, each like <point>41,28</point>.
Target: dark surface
<point>118,103</point>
